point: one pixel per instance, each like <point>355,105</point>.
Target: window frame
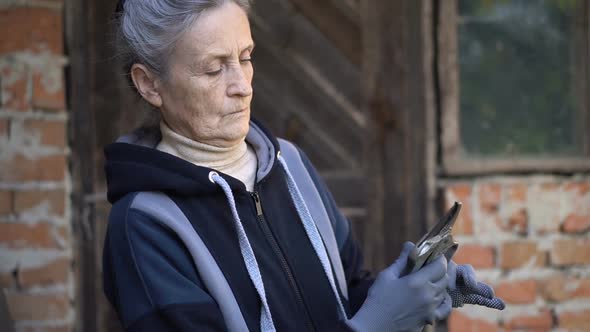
<point>454,162</point>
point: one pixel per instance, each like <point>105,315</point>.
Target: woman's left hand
<point>465,289</point>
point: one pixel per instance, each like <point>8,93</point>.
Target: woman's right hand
<point>396,303</point>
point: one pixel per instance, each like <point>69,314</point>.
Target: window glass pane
<point>520,72</point>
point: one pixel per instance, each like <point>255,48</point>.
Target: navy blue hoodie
<point>150,278</point>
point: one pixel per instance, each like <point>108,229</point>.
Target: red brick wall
<point>528,237</point>
<point>35,244</point>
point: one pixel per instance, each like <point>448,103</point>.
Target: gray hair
<point>149,29</point>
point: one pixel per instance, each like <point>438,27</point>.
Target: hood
<point>134,164</point>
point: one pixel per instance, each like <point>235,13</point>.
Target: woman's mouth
<point>243,110</point>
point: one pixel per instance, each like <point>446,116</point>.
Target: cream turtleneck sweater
<point>238,161</point>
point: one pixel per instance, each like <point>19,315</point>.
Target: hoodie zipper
<point>275,246</point>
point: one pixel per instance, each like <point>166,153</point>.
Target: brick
<point>4,127</point>
<point>48,89</point>
<point>578,187</point>
<point>545,206</point>
<point>520,254</point>
<point>460,322</point>
<point>63,328</point>
<point>51,133</point>
<point>490,224</point>
<point>16,34</point>
<point>27,200</point>
<point>464,223</point>
<point>30,28</point>
<point>490,195</point>
<point>63,235</point>
<point>37,307</point>
<point>550,186</point>
<point>570,252</point>
<point>562,288</point>
<point>55,272</point>
<point>20,236</point>
<point>516,193</point>
<point>6,202</point>
<point>576,224</point>
<point>480,257</point>
<point>461,192</point>
<point>54,4</point>
<point>14,96</point>
<point>542,321</point>
<point>6,280</point>
<point>14,85</point>
<point>575,321</point>
<point>23,169</point>
<point>577,194</point>
<point>519,222</point>
<point>517,292</point>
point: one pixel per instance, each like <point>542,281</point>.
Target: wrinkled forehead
<point>222,30</point>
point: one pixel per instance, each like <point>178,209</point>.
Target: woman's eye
<point>214,73</point>
<point>246,60</point>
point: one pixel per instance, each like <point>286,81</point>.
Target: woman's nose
<point>240,85</point>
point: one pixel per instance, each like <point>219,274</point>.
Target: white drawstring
<point>266,322</point>
<point>312,232</point>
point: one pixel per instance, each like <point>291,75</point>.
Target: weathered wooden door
<point>307,90</point>
<point>316,83</point>
<point>351,82</point>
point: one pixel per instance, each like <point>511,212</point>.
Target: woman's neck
<point>238,160</point>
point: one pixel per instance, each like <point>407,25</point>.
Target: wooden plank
<point>397,65</point>
<point>6,323</point>
<point>302,125</point>
<point>290,31</point>
<point>350,8</point>
<point>95,89</point>
<point>274,17</point>
<point>587,85</point>
<point>79,78</point>
<point>299,45</point>
<point>314,79</point>
<point>276,71</point>
<point>337,26</point>
<point>107,320</point>
<point>349,190</point>
<point>308,42</point>
<point>424,107</point>
<point>448,75</point>
<point>115,110</point>
<point>579,79</point>
<point>485,166</point>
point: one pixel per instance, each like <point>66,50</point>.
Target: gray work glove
<point>465,289</point>
<point>406,303</point>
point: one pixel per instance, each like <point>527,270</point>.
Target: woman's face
<point>207,94</point>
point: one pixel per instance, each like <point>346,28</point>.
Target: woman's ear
<point>146,84</point>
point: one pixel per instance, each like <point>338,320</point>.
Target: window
<point>513,78</point>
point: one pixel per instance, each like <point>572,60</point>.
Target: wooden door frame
<point>399,100</point>
<point>81,22</point>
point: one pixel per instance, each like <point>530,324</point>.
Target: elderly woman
<point>218,225</point>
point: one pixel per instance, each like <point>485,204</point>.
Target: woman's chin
<point>238,130</point>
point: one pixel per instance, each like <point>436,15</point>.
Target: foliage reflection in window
<point>520,73</point>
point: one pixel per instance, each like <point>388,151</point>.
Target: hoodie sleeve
<point>359,281</point>
<point>150,279</point>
